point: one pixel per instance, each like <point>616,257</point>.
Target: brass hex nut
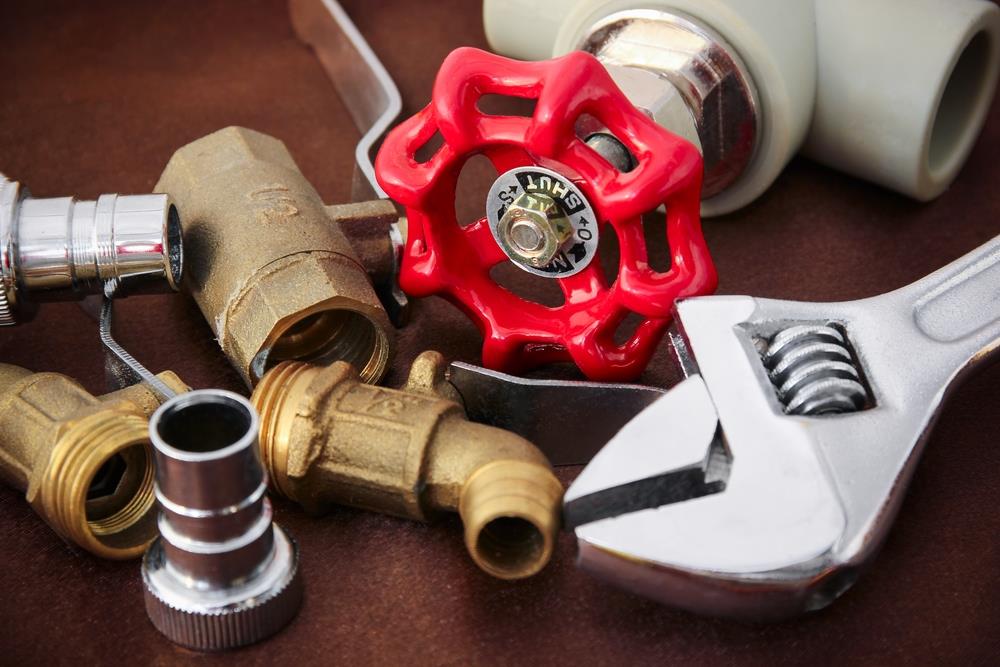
<point>313,306</point>
<point>533,229</point>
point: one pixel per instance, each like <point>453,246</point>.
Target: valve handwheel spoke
<point>553,197</point>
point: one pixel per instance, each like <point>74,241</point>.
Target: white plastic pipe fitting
<point>901,102</point>
<point>892,91</point>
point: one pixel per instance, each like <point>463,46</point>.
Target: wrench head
<point>713,498</point>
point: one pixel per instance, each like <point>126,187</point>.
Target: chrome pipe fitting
<point>221,574</point>
<point>686,77</point>
<point>59,249</point>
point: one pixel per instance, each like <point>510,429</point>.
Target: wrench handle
<point>959,305</point>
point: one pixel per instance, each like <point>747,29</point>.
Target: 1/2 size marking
<point>275,203</point>
<point>579,250</point>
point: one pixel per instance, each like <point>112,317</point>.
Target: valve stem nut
<point>221,574</point>
<point>533,229</point>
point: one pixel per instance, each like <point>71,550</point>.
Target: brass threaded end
<point>511,513</point>
<point>82,451</point>
<point>133,511</point>
<point>276,399</point>
<point>335,334</point>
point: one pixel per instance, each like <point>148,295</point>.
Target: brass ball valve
<point>274,276</point>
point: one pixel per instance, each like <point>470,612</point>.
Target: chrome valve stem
<point>61,249</point>
<point>685,77</point>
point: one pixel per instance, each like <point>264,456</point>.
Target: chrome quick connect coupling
<point>61,249</point>
<point>221,574</point>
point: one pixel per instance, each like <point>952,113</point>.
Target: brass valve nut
<point>533,229</point>
<point>275,279</point>
<point>84,462</point>
<point>327,438</point>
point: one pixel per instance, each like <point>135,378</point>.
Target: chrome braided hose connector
<point>62,249</point>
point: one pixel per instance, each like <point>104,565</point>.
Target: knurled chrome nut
<point>9,197</point>
<point>6,314</point>
<point>209,619</point>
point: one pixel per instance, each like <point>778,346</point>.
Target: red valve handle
<point>442,257</point>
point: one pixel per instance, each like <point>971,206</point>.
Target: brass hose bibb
<point>327,438</point>
<point>84,462</point>
<point>274,276</point>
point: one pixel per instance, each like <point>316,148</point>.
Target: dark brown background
<point>96,96</point>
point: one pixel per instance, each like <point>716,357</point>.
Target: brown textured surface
<point>98,95</point>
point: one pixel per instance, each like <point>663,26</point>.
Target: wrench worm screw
<point>813,371</point>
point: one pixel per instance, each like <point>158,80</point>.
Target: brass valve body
<point>326,438</point>
<point>84,462</point>
<point>274,277</point>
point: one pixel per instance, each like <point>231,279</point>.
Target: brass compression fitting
<point>326,438</point>
<point>84,462</point>
<point>273,275</point>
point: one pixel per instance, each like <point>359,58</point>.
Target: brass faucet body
<point>326,438</point>
<point>274,277</point>
<point>84,462</point>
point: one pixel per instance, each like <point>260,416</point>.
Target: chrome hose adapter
<point>221,574</point>
<point>61,249</point>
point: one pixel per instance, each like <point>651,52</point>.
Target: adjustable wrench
<point>761,484</point>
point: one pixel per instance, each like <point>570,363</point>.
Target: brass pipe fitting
<point>274,277</point>
<point>84,462</point>
<point>326,438</point>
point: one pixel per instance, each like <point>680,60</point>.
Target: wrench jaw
<point>722,553</point>
<point>755,535</point>
<point>644,466</point>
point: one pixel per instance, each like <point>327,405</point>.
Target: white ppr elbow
<point>902,101</point>
<point>892,91</point>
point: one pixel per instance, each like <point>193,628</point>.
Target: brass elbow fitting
<point>84,462</point>
<point>326,438</point>
<point>274,277</point>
